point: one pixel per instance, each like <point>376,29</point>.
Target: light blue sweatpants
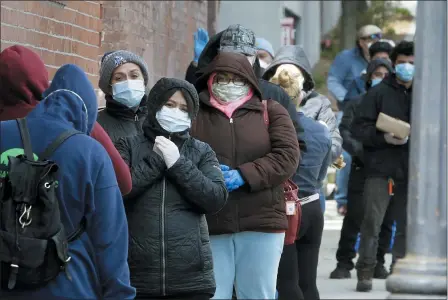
<point>250,261</point>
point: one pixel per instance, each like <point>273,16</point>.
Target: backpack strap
<point>265,112</point>
<point>26,140</point>
<point>80,230</point>
<point>56,143</point>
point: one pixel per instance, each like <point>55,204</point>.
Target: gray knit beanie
<point>114,60</point>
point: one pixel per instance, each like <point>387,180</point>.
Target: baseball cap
<point>370,31</point>
<point>238,39</point>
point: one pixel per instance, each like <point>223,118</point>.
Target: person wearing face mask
<point>265,53</point>
<point>353,208</point>
<point>380,49</point>
<point>258,150</point>
<point>350,63</point>
<point>297,272</point>
<point>87,189</point>
<point>176,180</point>
<point>238,39</point>
<point>24,78</point>
<point>123,79</point>
<point>386,161</point>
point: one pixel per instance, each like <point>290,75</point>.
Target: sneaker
<point>380,272</point>
<point>340,273</point>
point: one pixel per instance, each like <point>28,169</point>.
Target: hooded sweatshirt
<point>268,90</point>
<point>23,79</point>
<point>87,187</point>
<point>314,105</point>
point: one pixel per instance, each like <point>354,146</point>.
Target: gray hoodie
<point>314,105</point>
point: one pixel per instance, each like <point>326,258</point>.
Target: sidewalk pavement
<point>340,288</point>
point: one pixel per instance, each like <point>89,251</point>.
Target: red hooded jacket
<point>23,79</point>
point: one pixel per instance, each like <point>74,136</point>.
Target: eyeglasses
<point>223,80</point>
<point>376,36</point>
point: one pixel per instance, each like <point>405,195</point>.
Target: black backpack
<point>33,242</point>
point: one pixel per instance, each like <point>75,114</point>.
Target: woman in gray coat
<point>314,105</point>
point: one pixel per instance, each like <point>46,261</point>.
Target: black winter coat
<point>350,144</point>
<point>119,121</point>
<point>380,158</point>
<point>169,246</point>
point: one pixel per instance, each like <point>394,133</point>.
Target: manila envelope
<point>388,124</point>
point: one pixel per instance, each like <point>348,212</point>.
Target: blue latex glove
<point>233,180</point>
<point>200,40</point>
<point>224,168</point>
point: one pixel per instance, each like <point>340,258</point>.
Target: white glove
<point>391,139</point>
<point>169,150</point>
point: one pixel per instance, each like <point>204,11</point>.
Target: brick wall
<point>160,31</point>
<point>60,32</point>
<point>80,32</point>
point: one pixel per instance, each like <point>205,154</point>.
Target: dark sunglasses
<point>376,36</point>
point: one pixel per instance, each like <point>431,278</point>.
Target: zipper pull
<point>391,185</point>
<point>231,120</point>
<point>136,118</point>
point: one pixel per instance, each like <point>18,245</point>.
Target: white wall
<point>263,17</point>
<point>331,11</point>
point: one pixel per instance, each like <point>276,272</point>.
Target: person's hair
<point>291,84</point>
<point>380,46</point>
<point>403,48</point>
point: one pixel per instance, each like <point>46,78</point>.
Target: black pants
<point>297,271</point>
<point>184,296</point>
<point>351,225</point>
<point>377,203</point>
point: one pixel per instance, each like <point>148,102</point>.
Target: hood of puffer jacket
<point>70,99</point>
<point>373,65</point>
<point>159,95</point>
<point>23,78</point>
<point>233,63</point>
<point>295,55</point>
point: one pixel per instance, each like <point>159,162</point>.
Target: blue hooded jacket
<point>87,187</point>
<point>348,65</point>
<point>315,160</point>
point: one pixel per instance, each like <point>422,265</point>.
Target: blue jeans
<point>342,177</point>
<point>248,260</point>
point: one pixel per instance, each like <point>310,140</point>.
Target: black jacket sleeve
<point>191,73</point>
<point>203,186</point>
<point>349,143</point>
<point>144,172</point>
<point>364,124</point>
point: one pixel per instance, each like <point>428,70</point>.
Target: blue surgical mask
<point>405,72</point>
<point>173,119</point>
<point>129,92</point>
<point>375,81</point>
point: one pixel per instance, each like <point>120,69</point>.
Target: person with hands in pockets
<point>176,180</point>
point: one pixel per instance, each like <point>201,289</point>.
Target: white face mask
<point>129,92</point>
<point>229,92</point>
<point>173,119</point>
<point>263,64</point>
